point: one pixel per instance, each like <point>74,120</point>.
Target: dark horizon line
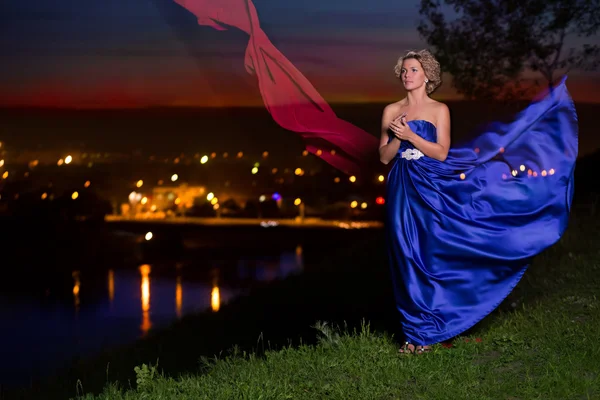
<point>248,107</point>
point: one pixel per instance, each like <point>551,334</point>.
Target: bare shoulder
<point>439,112</point>
<point>395,107</point>
<point>439,107</point>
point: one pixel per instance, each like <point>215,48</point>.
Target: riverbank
<point>541,342</point>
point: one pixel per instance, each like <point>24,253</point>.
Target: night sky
<point>137,53</point>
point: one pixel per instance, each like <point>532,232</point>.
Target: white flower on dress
<point>412,154</point>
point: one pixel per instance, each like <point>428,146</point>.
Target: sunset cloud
<point>146,53</point>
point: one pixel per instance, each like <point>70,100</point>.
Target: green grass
<point>542,343</point>
<point>536,353</point>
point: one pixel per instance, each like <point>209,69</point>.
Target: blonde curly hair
<point>430,65</point>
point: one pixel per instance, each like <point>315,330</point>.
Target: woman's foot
<point>407,348</point>
<point>423,349</point>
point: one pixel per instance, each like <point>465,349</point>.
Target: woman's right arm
<point>387,152</point>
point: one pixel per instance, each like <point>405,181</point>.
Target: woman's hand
<point>400,128</point>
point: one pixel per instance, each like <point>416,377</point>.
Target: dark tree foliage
<point>498,48</point>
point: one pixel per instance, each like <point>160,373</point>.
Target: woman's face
<point>412,74</point>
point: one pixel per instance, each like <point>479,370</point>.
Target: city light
<point>522,168</point>
<point>150,200</point>
<point>134,196</point>
<point>5,175</point>
<point>148,236</point>
<point>1,163</point>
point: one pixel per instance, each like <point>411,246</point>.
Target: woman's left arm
<point>439,149</point>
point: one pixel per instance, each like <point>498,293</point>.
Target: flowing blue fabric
<point>462,232</point>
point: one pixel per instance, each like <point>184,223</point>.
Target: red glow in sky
<point>114,54</point>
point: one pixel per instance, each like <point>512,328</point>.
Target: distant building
<point>164,197</point>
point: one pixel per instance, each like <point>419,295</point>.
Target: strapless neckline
<point>423,120</point>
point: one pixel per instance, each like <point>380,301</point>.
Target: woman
<point>463,222</point>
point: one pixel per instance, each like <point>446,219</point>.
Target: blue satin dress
<point>462,232</point>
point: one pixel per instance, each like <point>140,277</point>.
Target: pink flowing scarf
<point>289,97</point>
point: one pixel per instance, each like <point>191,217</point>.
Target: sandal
<point>423,349</point>
<point>407,348</point>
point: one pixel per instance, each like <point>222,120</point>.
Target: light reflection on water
<point>146,324</point>
<point>120,307</point>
